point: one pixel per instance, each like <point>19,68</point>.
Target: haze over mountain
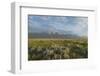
<point>57,26</point>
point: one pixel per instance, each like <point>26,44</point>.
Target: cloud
<point>74,24</point>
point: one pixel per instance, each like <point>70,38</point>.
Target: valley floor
<point>51,49</point>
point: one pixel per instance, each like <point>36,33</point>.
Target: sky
<point>58,24</point>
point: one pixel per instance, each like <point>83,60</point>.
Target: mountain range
<point>52,35</point>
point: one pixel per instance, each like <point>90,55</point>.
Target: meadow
<point>52,49</point>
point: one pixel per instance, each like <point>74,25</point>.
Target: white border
<point>19,38</point>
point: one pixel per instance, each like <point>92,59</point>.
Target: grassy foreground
<point>51,49</point>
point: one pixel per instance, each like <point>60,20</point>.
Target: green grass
<point>50,49</point>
